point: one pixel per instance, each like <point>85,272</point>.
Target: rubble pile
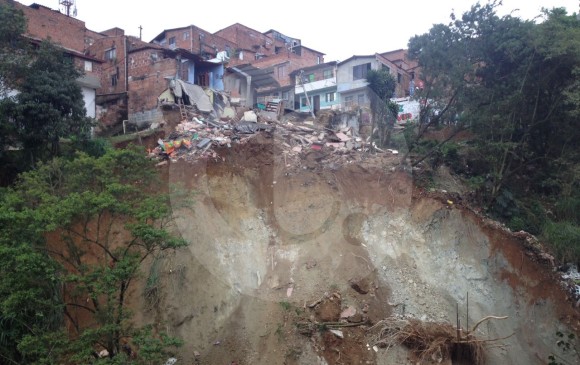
<point>201,136</point>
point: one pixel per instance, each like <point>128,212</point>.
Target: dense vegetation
<point>76,223</point>
<point>513,87</point>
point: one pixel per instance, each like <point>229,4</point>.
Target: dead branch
<point>483,320</point>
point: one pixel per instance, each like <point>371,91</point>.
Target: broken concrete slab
<point>337,333</point>
<point>203,143</point>
<point>196,95</point>
<point>228,113</point>
<point>342,137</point>
<point>250,116</point>
<point>348,312</point>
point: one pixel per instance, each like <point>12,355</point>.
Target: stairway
<point>274,106</point>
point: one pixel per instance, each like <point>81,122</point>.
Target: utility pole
<point>306,94</point>
<point>140,32</point>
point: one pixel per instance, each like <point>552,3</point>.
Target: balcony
<point>316,85</point>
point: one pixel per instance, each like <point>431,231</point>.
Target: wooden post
<point>467,315</point>
<point>458,323</point>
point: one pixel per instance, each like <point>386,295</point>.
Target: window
<point>360,71</point>
<point>110,54</point>
<point>361,99</point>
<point>172,41</point>
<point>285,95</point>
<point>328,74</point>
<point>185,35</point>
<point>330,97</point>
<point>318,60</point>
<point>88,66</point>
<point>114,79</point>
<point>348,100</point>
<point>399,78</point>
<point>281,71</point>
<point>303,102</point>
<point>386,68</point>
<point>310,78</point>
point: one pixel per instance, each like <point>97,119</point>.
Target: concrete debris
<point>250,116</point>
<point>348,312</point>
<point>171,361</point>
<point>337,333</point>
<point>201,135</point>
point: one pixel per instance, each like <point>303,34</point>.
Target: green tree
<point>382,86</point>
<point>49,105</point>
<point>513,83</point>
<point>99,219</point>
<point>40,100</point>
<point>14,49</point>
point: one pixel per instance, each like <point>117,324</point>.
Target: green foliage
<point>382,83</point>
<point>382,86</point>
<point>13,48</point>
<point>564,239</point>
<point>285,305</point>
<point>567,346</point>
<point>568,209</point>
<point>528,217</point>
<point>513,83</point>
<point>104,217</point>
<point>49,105</point>
<point>154,349</point>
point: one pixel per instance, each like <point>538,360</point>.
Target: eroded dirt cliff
<point>279,242</point>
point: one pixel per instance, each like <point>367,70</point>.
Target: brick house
<point>137,72</point>
<point>72,37</point>
<point>267,59</point>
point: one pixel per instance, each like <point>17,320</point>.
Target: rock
<point>357,318</point>
<point>196,354</point>
<point>360,285</point>
<point>250,116</point>
<point>348,312</point>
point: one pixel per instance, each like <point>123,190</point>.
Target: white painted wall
<point>89,96</point>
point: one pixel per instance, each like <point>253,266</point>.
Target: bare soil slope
<point>278,243</point>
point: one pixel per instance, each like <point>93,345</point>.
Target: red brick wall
<point>110,68</point>
<point>65,31</point>
<point>247,38</point>
<point>289,61</point>
<point>189,38</point>
<point>147,79</point>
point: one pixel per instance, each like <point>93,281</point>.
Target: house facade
<point>352,84</point>
<point>315,87</point>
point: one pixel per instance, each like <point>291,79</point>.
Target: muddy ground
<point>280,245</point>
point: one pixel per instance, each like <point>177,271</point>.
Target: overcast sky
<point>339,29</point>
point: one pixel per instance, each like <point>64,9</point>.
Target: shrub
<point>564,239</point>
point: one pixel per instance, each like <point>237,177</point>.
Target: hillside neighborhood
<point>235,197</point>
<point>125,77</point>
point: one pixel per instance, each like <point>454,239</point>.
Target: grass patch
<point>564,239</point>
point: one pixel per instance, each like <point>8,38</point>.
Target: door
<point>316,105</point>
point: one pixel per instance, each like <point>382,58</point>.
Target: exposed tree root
<point>430,340</point>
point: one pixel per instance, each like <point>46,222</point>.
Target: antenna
<point>67,5</point>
